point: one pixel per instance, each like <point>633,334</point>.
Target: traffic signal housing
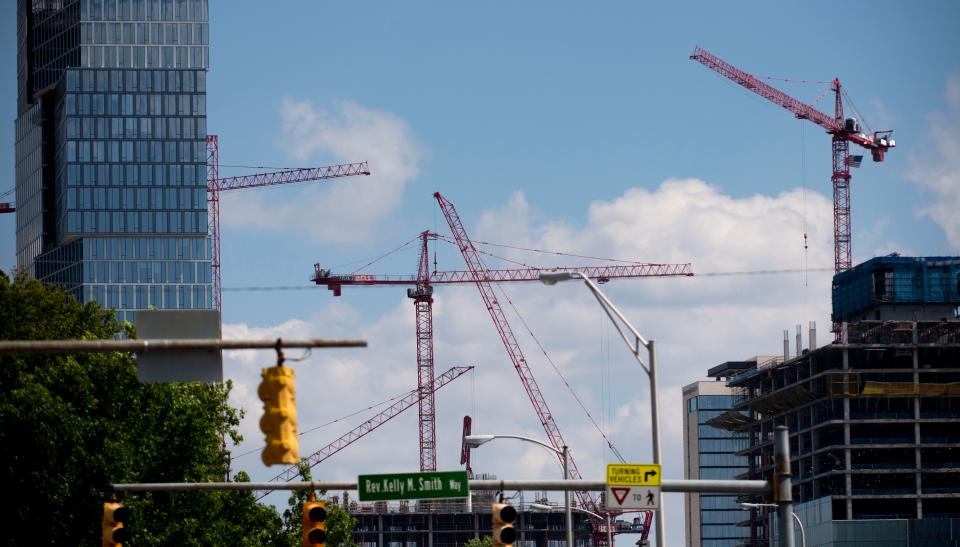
<point>114,515</point>
<point>314,523</point>
<point>279,421</point>
<point>504,515</point>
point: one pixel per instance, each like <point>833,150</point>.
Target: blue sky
<point>574,127</point>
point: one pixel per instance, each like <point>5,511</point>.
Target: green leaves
<point>70,425</point>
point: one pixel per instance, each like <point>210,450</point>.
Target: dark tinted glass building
<point>711,453</point>
<point>111,150</point>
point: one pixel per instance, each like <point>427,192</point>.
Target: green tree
<point>340,524</point>
<point>70,425</point>
<point>486,541</point>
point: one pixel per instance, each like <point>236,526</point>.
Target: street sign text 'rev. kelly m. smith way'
<point>413,486</point>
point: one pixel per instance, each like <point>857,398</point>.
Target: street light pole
<point>566,496</point>
<point>474,441</point>
<point>551,278</point>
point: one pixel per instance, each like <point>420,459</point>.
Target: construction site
<point>130,217</point>
<point>873,416</point>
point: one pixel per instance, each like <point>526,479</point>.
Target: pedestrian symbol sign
<point>633,497</point>
<point>633,486</point>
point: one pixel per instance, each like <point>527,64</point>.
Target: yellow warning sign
<point>628,474</point>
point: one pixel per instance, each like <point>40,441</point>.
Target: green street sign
<point>413,486</point>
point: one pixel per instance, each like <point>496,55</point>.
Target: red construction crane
<point>215,185</point>
<point>843,132</point>
<point>7,206</point>
<point>422,295</point>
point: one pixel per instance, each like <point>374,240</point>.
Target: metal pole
<point>755,487</point>
<point>566,496</point>
<point>783,487</point>
<point>655,429</point>
<point>144,346</point>
<point>651,370</point>
<point>609,532</point>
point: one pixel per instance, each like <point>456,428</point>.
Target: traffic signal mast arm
<point>833,124</point>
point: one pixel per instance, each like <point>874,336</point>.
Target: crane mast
<point>843,131</point>
<point>216,184</point>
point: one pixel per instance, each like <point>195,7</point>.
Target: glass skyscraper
<point>111,150</point>
<point>711,453</point>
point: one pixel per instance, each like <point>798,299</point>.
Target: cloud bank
<point>938,171</point>
<point>342,211</point>
<point>697,322</point>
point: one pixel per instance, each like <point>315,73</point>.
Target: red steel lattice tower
<point>842,130</point>
<point>422,296</point>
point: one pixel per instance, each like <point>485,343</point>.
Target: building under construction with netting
<point>874,419</point>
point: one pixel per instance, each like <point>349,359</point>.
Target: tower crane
<point>842,130</point>
<point>216,184</point>
<point>421,293</point>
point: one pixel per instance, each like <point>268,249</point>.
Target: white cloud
<point>938,171</point>
<point>341,210</point>
<point>697,323</point>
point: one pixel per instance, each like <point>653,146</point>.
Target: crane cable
<point>558,253</point>
<point>555,368</point>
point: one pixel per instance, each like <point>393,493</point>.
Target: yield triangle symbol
<point>620,494</point>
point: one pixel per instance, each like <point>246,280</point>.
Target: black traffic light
<point>279,421</point>
<point>314,523</point>
<point>114,515</point>
<point>504,515</point>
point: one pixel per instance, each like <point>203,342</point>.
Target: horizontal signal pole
<point>145,346</point>
<point>756,487</point>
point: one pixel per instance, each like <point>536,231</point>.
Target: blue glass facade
<point>711,454</point>
<point>111,150</point>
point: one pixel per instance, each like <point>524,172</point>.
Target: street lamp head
<point>474,441</point>
<point>552,278</point>
<point>541,507</point>
<point>746,506</point>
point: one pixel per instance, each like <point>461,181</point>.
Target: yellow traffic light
<point>314,523</point>
<point>279,421</point>
<point>114,515</point>
<point>504,516</point>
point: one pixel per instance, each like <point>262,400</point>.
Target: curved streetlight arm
<point>476,440</point>
<point>803,535</point>
<point>612,311</point>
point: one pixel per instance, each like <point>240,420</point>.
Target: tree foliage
<point>340,524</point>
<point>70,425</point>
<point>486,541</point>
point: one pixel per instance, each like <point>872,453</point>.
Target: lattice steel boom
<point>216,184</point>
<point>843,132</point>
